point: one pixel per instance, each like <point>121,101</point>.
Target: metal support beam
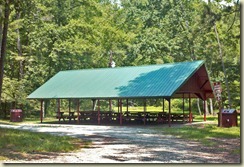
<point>78,111</point>
<point>127,105</point>
<point>41,112</point>
<point>59,116</point>
<point>145,110</point>
<point>110,105</point>
<point>98,112</point>
<point>204,110</point>
<point>163,105</point>
<point>200,95</point>
<point>190,113</point>
<point>169,112</point>
<point>69,106</point>
<point>183,99</point>
<point>118,105</point>
<point>120,115</point>
<point>203,84</point>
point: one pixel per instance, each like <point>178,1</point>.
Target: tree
<point>3,37</point>
<point>47,36</point>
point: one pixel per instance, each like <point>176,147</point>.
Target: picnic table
<point>164,117</point>
<point>140,116</point>
<point>60,115</point>
<point>105,116</point>
<point>180,117</point>
<point>109,116</point>
<point>88,115</point>
<point>71,116</point>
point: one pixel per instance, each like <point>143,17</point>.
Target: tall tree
<point>4,40</point>
<point>46,36</point>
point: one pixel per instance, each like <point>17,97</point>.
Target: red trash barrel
<point>16,115</point>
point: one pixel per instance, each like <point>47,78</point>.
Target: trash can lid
<point>16,110</point>
<point>228,111</point>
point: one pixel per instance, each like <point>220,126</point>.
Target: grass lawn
<point>28,121</point>
<point>15,142</point>
<point>18,144</point>
<point>141,108</point>
<point>204,133</point>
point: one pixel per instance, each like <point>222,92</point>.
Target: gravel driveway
<point>127,144</point>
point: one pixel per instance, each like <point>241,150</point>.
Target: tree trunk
<point>94,105</point>
<point>223,66</point>
<point>1,28</point>
<point>206,107</point>
<point>43,112</point>
<point>190,42</point>
<point>19,48</point>
<point>198,107</point>
<point>5,110</point>
<point>211,106</point>
<point>1,33</point>
<point>4,43</point>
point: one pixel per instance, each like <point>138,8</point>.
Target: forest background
<point>39,38</point>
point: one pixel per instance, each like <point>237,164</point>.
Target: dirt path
<point>129,144</point>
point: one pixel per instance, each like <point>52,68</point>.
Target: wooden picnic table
<point>109,116</point>
<point>106,116</point>
<point>88,115</point>
<point>140,116</point>
<point>180,117</point>
<point>60,115</point>
<point>71,116</point>
<point>128,116</point>
<point>164,117</point>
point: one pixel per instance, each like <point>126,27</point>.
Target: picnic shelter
<point>164,81</point>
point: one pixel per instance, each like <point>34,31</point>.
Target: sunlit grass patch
<point>199,118</point>
<point>3,158</point>
<point>202,133</point>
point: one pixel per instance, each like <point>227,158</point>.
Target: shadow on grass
<point>8,154</point>
<point>19,144</point>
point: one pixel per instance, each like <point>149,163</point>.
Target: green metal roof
<point>120,82</point>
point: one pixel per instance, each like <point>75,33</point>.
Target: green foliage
<point>46,36</point>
